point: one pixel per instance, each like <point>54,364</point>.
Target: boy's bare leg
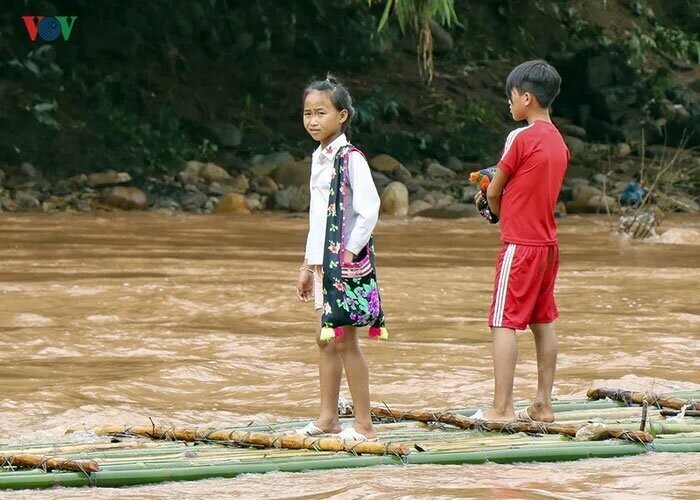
<point>505,355</point>
<point>546,345</point>
<point>357,374</point>
<point>330,370</point>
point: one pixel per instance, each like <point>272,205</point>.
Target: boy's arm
<point>495,190</point>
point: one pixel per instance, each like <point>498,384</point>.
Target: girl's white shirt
<point>361,211</point>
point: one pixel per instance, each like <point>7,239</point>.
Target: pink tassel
<point>339,332</point>
<point>374,332</point>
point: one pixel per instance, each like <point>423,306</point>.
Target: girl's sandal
<point>350,434</point>
<point>309,429</point>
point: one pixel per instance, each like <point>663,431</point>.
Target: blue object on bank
<point>632,194</point>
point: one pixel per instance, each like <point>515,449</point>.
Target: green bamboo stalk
<point>106,478</point>
<point>673,427</point>
<point>573,451</point>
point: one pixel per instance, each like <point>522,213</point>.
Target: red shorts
<point>523,292</point>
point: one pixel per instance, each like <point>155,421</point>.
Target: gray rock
<point>264,185</point>
<point>274,159</point>
<point>29,170</point>
<point>292,174</point>
<point>193,200</point>
<point>576,146</point>
<point>418,206</point>
<point>437,171</point>
<point>254,204</point>
<point>226,135</point>
<point>402,174</point>
<point>26,200</point>
<point>107,178</point>
<point>300,199</point>
<point>452,211</point>
<point>380,180</point>
<point>124,197</point>
<point>211,172</point>
<point>216,189</point>
<point>455,164</point>
<point>292,198</point>
<point>573,130</point>
<point>239,183</point>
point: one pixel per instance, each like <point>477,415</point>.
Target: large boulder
<point>384,163</point>
<point>292,174</point>
<point>226,135</point>
<point>124,197</point>
<point>394,200</point>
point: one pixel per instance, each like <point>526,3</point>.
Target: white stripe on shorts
<point>502,289</point>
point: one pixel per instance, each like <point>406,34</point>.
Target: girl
<point>327,114</point>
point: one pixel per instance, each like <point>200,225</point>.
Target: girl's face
<point>321,120</point>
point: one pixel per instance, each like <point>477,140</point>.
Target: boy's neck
<point>538,113</point>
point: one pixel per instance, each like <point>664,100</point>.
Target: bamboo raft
<point>611,423</point>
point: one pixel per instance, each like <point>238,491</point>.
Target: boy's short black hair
<point>537,77</point>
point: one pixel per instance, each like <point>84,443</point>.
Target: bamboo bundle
<point>46,463</point>
<point>500,426</point>
<point>257,439</point>
<point>640,397</point>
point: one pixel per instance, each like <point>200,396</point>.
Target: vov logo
<point>49,28</point>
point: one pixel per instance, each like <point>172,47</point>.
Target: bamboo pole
<point>42,462</point>
<point>673,413</point>
<point>639,398</point>
<point>258,439</point>
<point>502,426</point>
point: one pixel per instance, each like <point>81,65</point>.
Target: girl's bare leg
<point>330,370</point>
<point>357,373</point>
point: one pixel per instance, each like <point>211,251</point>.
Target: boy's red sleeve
<point>512,152</point>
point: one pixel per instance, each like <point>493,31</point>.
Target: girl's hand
<point>305,286</point>
<point>348,256</point>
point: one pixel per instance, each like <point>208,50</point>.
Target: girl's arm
<point>365,202</point>
<point>495,190</point>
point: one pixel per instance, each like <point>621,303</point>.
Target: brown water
<point>193,320</point>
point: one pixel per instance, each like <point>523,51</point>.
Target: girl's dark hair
<point>339,96</point>
<point>537,77</point>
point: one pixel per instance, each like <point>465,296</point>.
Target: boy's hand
<point>348,256</point>
<point>480,200</point>
<point>305,286</point>
<point>482,205</point>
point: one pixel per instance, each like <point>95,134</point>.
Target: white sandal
<point>309,429</point>
<point>350,434</point>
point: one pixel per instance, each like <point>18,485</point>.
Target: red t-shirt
<point>535,158</point>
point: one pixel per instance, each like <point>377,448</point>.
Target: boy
<point>523,194</point>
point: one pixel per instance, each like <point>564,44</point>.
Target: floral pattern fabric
<point>350,291</point>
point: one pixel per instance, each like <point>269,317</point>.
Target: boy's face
<point>321,120</point>
<point>518,104</point>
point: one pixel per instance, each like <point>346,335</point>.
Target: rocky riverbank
<point>597,175</point>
